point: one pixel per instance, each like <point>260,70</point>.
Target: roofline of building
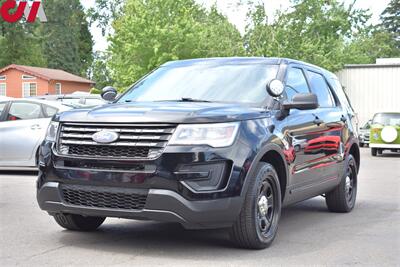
<point>21,68</point>
<point>355,66</point>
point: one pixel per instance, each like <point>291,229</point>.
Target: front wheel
<point>374,152</point>
<point>257,224</point>
<point>78,222</point>
<point>343,197</point>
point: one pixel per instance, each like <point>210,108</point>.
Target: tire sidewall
<point>266,171</point>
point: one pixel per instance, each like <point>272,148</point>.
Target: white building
<point>373,88</point>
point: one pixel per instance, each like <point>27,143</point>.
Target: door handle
<point>36,127</point>
<point>318,121</point>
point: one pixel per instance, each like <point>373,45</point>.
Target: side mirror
<point>275,88</point>
<point>109,93</point>
<point>302,102</point>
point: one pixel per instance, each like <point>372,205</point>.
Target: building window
<point>2,77</point>
<point>3,89</point>
<point>28,77</point>
<point>29,89</point>
<point>58,89</point>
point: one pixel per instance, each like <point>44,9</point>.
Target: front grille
<point>88,196</point>
<point>134,142</point>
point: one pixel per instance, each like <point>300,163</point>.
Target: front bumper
<point>199,187</point>
<point>384,146</point>
<point>161,205</point>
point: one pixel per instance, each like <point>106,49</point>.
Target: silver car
<point>23,125</point>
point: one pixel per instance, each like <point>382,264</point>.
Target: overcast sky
<point>237,15</point>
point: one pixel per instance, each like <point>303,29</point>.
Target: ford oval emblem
<point>105,137</point>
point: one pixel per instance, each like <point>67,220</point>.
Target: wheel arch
<point>355,151</point>
<point>272,154</point>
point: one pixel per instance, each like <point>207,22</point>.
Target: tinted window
<point>24,111</point>
<point>2,107</point>
<point>321,89</point>
<point>296,83</point>
<point>211,82</point>
<point>340,92</point>
<point>50,111</point>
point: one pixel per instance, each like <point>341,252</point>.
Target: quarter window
<point>24,111</point>
<point>296,83</point>
<point>50,111</point>
<point>3,89</point>
<point>321,89</point>
<point>29,89</point>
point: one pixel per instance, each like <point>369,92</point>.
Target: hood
<point>165,112</point>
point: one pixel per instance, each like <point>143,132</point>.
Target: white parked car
<point>23,126</point>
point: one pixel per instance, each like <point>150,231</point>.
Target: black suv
<point>208,143</point>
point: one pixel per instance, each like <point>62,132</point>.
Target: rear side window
<point>340,92</point>
<point>296,83</point>
<point>321,89</point>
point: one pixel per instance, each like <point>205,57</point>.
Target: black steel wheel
<point>257,224</point>
<point>343,197</point>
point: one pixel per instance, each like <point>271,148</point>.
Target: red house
<point>24,81</point>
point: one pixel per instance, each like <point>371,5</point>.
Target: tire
<point>380,151</point>
<point>78,222</point>
<point>361,144</point>
<point>374,152</point>
<point>257,224</point>
<point>343,198</point>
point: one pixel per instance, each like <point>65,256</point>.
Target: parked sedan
<point>23,126</point>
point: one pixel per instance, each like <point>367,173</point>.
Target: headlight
<point>52,131</point>
<point>215,135</point>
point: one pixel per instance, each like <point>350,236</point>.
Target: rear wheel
<point>343,197</point>
<point>78,222</point>
<point>257,224</point>
<point>374,152</point>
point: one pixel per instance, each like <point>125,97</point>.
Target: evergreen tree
<point>391,20</point>
<point>67,41</point>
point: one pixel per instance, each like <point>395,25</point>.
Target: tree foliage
<point>149,33</point>
<point>391,21</point>
<point>67,40</point>
<point>99,71</point>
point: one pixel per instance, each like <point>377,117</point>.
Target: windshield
<point>223,83</point>
<point>387,119</point>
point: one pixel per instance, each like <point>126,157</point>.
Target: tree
<point>19,44</point>
<point>149,33</point>
<point>67,41</point>
<point>100,73</point>
<point>315,31</point>
<point>391,21</point>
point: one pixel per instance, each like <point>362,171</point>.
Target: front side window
<point>321,89</point>
<point>3,89</point>
<point>244,83</point>
<point>296,83</point>
<point>29,89</point>
<point>24,111</point>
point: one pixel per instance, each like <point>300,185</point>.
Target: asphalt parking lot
<point>308,233</point>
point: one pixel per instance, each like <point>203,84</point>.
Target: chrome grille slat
<point>135,140</point>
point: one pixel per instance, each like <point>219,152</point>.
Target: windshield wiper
<point>186,99</point>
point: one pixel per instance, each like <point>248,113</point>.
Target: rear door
<point>21,132</point>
